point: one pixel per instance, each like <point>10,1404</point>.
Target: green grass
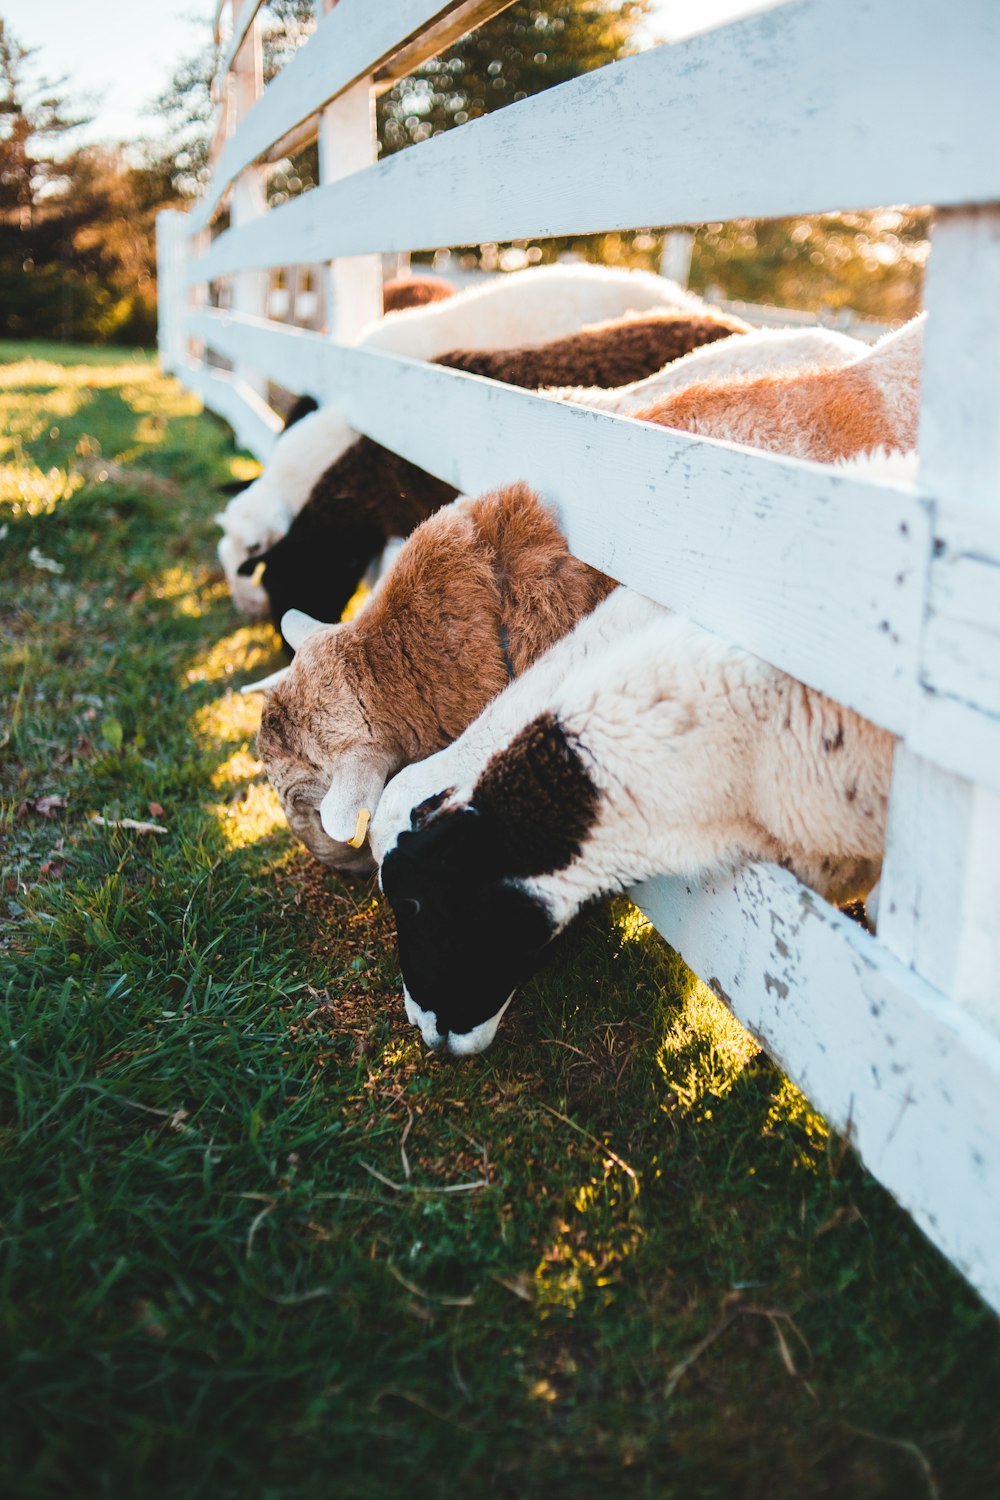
<point>235,1259</point>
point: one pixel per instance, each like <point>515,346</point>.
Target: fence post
<point>347,143</point>
<point>939,907</point>
<point>248,200</point>
<point>170,290</point>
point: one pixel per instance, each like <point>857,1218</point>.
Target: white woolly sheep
<point>532,306</point>
<point>639,745</point>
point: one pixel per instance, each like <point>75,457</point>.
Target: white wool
<point>703,755</point>
<point>525,307</point>
<point>884,465</point>
<point>458,765</point>
<point>757,353</point>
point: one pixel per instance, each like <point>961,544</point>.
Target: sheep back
<point>606,354</point>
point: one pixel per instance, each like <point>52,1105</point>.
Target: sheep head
<point>261,514</point>
<point>472,919</point>
<point>318,745</point>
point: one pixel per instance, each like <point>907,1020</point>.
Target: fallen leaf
<point>49,806</point>
<point>47,564</point>
<point>137,827</point>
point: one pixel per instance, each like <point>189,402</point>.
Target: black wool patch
<point>467,937</point>
<point>537,799</point>
<point>368,495</point>
<point>302,406</point>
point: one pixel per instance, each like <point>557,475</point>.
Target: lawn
<point>254,1240</point>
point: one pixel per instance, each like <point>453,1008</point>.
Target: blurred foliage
<point>525,49</point>
<point>83,223</point>
<point>77,228</point>
<point>870,262</point>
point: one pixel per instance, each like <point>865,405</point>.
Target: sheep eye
<point>411,906</point>
<point>423,810</point>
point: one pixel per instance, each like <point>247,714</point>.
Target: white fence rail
<point>887,598</point>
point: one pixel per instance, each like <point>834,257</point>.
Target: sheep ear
<point>354,792</point>
<point>302,406</point>
<point>266,683</point>
<point>296,626</point>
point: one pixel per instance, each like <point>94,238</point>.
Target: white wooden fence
<point>887,598</point>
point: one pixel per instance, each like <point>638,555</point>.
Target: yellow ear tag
<point>364,818</point>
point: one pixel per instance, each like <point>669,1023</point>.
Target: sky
<point>117,55</point>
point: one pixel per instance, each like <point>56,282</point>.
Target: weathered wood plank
<point>351,42</point>
<point>807,567</point>
<point>249,291</point>
<point>941,882</point>
<point>347,141</point>
<point>878,1051</point>
<point>255,424</point>
<point>734,123</point>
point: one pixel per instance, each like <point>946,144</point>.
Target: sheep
<point>370,493</point>
<point>401,292</point>
<point>666,752</point>
<point>822,414</point>
<point>612,354</point>
<point>538,304</point>
<point>763,349</point>
<point>478,592</point>
<point>527,307</point>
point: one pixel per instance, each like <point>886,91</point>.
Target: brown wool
<point>413,291</point>
<point>606,354</point>
<point>822,414</point>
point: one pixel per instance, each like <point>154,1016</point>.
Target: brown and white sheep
<point>478,592</point>
<point>822,414</point>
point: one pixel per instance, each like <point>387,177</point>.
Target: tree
<point>32,115</point>
<point>530,47</point>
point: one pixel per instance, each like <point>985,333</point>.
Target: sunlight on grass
<point>238,770</point>
<point>251,648</point>
<point>31,373</point>
<point>244,469</point>
<point>191,591</point>
<point>228,720</point>
<point>591,1243</point>
<point>704,1049</point>
<point>149,394</point>
<point>633,925</point>
<point>30,417</point>
<point>30,491</point>
<point>250,817</point>
<point>790,1107</point>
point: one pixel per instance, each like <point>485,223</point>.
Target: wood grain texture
<point>876,1049</point>
<point>940,898</point>
<point>352,41</point>
<point>809,107</point>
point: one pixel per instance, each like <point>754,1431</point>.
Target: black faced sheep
<point>371,494</point>
<point>665,752</point>
<point>536,305</point>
